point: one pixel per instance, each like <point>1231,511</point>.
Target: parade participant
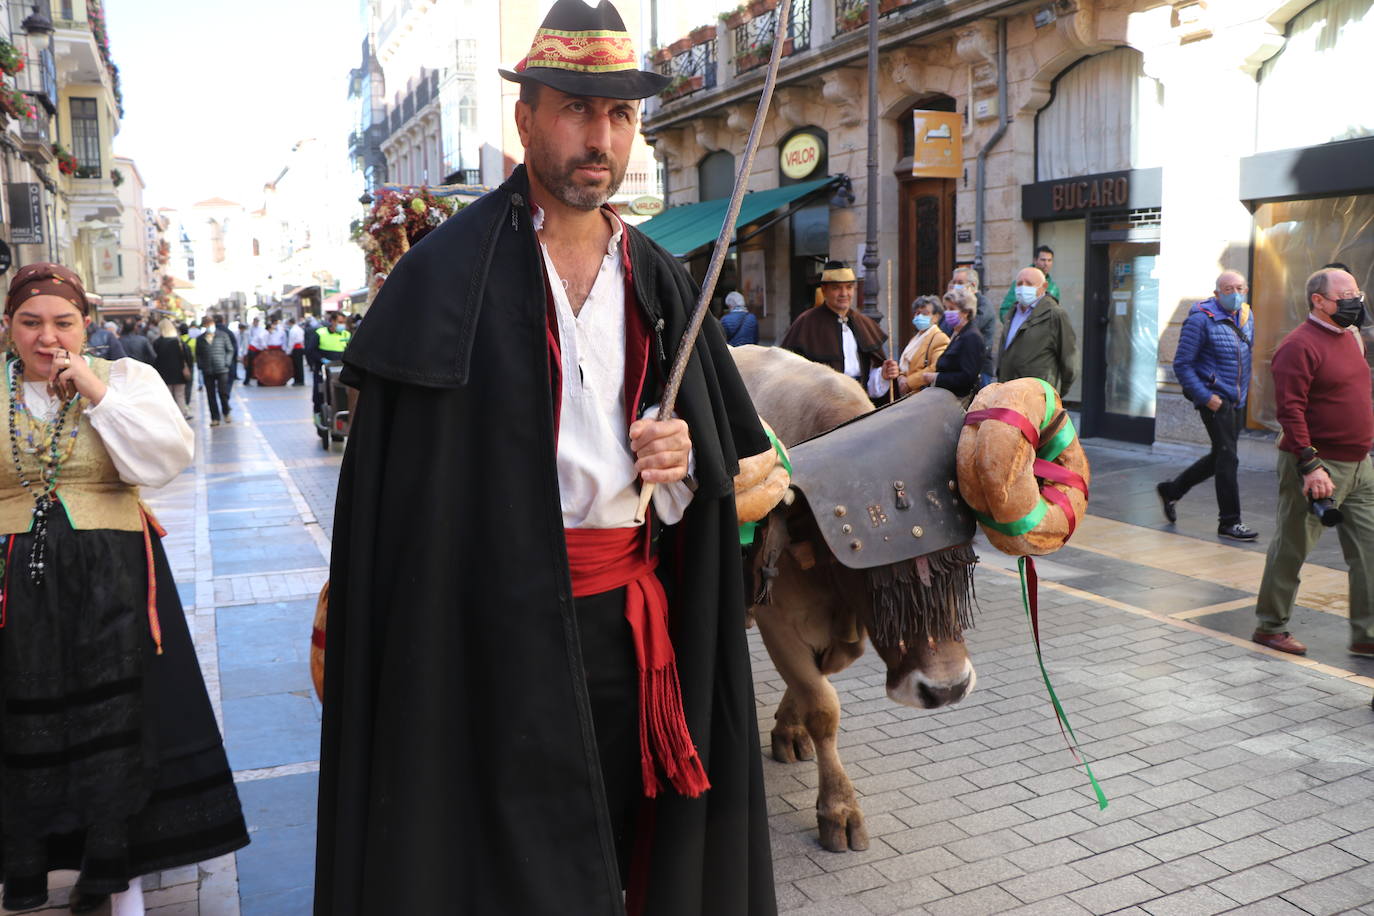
<point>921,352</point>
<point>173,362</point>
<point>276,337</point>
<point>1038,341</point>
<point>1044,261</point>
<point>958,369</point>
<point>256,342</point>
<point>842,338</point>
<point>113,762</point>
<point>739,324</point>
<point>1212,364</point>
<point>295,345</point>
<point>522,722</point>
<point>1323,405</point>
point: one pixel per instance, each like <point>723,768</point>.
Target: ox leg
<point>817,705</point>
<point>791,742</point>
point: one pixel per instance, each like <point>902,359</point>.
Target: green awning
<point>682,230</point>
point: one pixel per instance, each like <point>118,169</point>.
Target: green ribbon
<point>748,530</point>
<point>1021,525</point>
<point>1048,451</point>
<point>1030,601</point>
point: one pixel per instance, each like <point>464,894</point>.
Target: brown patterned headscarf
<point>46,279</point>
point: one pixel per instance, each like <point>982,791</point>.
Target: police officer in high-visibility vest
<point>332,340</point>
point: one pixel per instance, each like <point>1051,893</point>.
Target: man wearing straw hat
<point>845,339</point>
<point>531,703</point>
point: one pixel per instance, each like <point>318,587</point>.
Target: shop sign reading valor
<point>800,155</point>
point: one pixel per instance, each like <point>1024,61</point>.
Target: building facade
<point>1149,143</point>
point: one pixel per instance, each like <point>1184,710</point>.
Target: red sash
<point>602,559</point>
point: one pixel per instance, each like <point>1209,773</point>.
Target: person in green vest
<point>332,340</point>
<point>1044,260</point>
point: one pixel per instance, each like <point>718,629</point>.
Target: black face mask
<point>1349,312</point>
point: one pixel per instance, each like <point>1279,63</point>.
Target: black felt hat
<point>584,50</point>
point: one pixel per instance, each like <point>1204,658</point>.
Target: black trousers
<point>298,367</point>
<point>608,657</point>
<point>248,359</point>
<point>217,392</point>
<point>1223,428</point>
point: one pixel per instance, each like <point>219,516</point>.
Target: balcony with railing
<point>754,36</point>
<point>690,64</point>
<point>853,14</point>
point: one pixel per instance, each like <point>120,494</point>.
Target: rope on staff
<point>727,229</point>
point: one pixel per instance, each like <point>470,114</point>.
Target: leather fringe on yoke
<point>930,596</point>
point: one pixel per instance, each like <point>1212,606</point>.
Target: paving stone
<point>1048,855</point>
<point>1255,883</point>
<point>1107,866</point>
<point>1318,862</point>
<point>1305,833</point>
<point>1047,883</point>
<point>1114,895</point>
<point>988,845</point>
<point>1178,874</point>
<point>974,903</point>
<point>843,883</point>
<point>1196,901</point>
<point>974,875</point>
<point>899,897</point>
<point>1111,836</point>
<point>1330,895</point>
<point>1238,825</point>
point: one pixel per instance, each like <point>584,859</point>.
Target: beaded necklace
<point>51,450</point>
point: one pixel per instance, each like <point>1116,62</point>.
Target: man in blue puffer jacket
<point>1212,364</point>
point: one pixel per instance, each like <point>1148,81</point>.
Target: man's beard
<point>558,178</point>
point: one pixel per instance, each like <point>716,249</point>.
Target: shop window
<point>1304,90</point>
<point>1105,116</point>
<point>716,176</point>
<point>1292,239</point>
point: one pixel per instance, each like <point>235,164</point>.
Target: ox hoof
<point>792,743</point>
<point>842,828</point>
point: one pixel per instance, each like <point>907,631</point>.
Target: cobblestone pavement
<point>1238,777</point>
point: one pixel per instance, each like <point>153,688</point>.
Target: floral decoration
<point>66,161</point>
<point>397,220</point>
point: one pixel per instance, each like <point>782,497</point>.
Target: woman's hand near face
<point>70,374</point>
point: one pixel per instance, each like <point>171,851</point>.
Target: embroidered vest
<point>88,485</point>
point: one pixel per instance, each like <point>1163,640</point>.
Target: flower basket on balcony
<point>703,33</point>
<point>66,162</point>
<point>680,86</point>
<point>737,17</point>
<point>681,46</point>
<point>758,55</point>
<point>661,55</point>
<point>853,18</point>
<point>15,104</point>
<point>11,61</point>
<point>758,7</point>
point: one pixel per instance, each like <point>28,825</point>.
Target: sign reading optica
<point>648,205</point>
<point>939,149</point>
<point>800,155</point>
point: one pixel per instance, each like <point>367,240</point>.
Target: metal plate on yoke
<point>883,487</point>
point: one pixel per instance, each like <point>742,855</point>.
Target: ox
<point>819,611</point>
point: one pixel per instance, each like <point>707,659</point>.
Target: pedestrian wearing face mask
<point>1038,340</point>
<point>957,368</point>
<point>985,321</point>
<point>1212,365</point>
<point>1323,405</point>
<point>1044,262</point>
<point>924,348</point>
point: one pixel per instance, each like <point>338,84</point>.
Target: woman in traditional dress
<point>959,368</point>
<point>924,348</point>
<point>112,761</point>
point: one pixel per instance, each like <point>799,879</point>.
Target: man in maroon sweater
<point>1322,392</point>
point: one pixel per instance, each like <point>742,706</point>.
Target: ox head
<point>928,673</point>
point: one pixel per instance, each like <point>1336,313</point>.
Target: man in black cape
<point>468,758</point>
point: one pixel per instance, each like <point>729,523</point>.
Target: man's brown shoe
<point>1362,648</point>
<point>1281,641</point>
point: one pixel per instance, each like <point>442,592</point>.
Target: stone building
<point>1149,143</point>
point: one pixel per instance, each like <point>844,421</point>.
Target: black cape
<point>458,770</point>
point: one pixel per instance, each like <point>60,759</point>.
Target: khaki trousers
<point>1297,531</point>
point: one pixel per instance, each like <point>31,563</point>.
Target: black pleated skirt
<point>111,762</point>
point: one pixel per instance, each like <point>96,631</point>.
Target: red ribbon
<point>603,559</point>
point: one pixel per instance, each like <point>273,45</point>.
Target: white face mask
<point>1027,295</point>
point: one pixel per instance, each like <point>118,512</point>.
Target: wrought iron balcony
<point>691,70</point>
<point>754,37</point>
<point>853,14</point>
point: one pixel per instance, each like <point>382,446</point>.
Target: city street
<point>1238,777</point>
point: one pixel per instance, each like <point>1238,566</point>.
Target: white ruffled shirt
<point>597,483</point>
<point>140,425</point>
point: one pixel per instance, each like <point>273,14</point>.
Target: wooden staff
<point>892,333</point>
<point>727,230</point>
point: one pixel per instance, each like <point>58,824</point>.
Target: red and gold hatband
<point>587,52</point>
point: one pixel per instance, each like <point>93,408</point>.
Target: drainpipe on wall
<point>980,228</point>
